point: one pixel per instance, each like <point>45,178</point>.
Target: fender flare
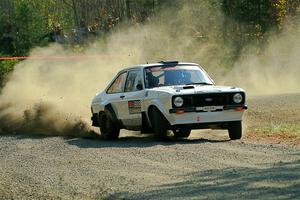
<point>149,117</point>
<point>159,106</point>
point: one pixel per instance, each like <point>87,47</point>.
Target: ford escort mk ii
<point>169,95</point>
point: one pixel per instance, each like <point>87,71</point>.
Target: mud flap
<point>95,121</point>
<point>146,128</point>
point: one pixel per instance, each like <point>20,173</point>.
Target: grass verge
<point>286,133</point>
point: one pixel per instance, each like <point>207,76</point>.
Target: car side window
<point>118,84</point>
<point>134,79</point>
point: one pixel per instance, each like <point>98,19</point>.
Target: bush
<point>6,66</point>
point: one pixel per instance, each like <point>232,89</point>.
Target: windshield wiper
<point>200,83</point>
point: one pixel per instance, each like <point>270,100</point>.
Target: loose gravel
<point>205,166</point>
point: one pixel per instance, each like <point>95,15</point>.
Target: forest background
<point>26,24</point>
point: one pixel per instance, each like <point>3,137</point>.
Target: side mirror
<point>139,86</point>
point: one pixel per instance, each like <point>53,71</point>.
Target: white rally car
<point>168,95</point>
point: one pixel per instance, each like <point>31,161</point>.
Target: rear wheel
<point>108,130</point>
<point>235,130</point>
<point>159,124</point>
<point>181,133</point>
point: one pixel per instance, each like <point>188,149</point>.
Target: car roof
<point>162,63</point>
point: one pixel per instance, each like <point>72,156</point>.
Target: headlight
<point>178,101</point>
<point>237,98</point>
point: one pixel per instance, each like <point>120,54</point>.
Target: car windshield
<point>158,76</point>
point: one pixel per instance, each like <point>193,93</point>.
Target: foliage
<point>6,66</point>
<point>250,20</point>
<point>25,24</point>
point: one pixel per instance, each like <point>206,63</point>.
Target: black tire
<point>108,130</point>
<point>235,130</point>
<point>182,133</point>
<point>159,124</point>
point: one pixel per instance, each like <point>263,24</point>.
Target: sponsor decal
<point>170,68</point>
<point>157,69</point>
<point>134,107</point>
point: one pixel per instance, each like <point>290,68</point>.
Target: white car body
<point>130,110</point>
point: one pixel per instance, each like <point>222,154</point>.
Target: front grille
<point>209,99</point>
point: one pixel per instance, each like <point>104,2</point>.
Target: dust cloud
<point>53,97</point>
<point>276,70</point>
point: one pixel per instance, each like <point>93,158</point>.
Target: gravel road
<point>205,166</point>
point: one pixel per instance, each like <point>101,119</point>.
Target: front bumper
<point>221,108</point>
<point>178,116</point>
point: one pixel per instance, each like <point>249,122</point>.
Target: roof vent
<point>169,62</point>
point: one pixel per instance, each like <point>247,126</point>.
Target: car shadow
<point>94,141</point>
<point>135,141</point>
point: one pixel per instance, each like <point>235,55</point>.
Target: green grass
<point>291,129</point>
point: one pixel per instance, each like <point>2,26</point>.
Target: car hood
<point>196,89</point>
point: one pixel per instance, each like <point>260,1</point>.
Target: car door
<point>132,102</point>
<point>115,94</point>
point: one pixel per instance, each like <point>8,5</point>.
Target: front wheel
<point>235,130</point>
<point>108,130</point>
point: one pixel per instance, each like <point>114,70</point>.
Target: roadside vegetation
<point>292,129</point>
<point>274,118</point>
<point>288,133</point>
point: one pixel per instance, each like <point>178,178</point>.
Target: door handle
<point>122,96</point>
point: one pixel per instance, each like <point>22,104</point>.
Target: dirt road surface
<point>205,166</point>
